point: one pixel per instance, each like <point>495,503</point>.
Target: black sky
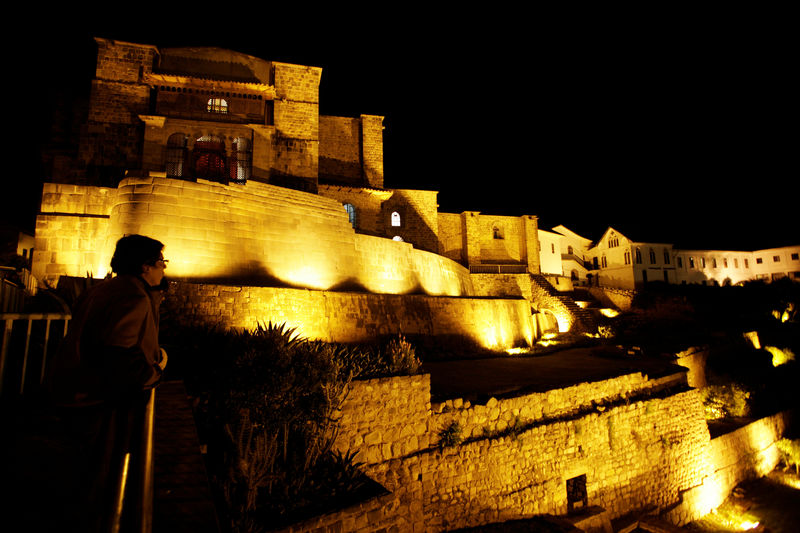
<point>672,127</point>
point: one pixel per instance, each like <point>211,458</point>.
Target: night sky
<point>673,128</point>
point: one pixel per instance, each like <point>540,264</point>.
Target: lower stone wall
<point>637,443</point>
<point>746,453</point>
<point>355,317</point>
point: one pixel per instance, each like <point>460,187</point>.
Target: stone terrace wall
<point>638,442</point>
<point>214,232</point>
<point>746,453</point>
<point>353,316</point>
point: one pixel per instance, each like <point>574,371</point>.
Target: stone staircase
<point>583,319</point>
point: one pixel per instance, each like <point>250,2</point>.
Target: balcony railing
<point>498,269</point>
<point>29,342</point>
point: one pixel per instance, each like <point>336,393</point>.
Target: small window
<point>725,262</point>
<point>638,256</point>
<point>604,262</point>
<point>795,257</point>
<point>735,263</point>
<point>496,233</point>
<point>666,257</point>
<point>759,260</point>
<point>702,262</point>
<point>680,262</point>
<point>176,155</point>
<point>691,262</point>
<point>552,248</point>
<point>351,214</point>
<point>569,250</point>
<point>395,219</point>
<point>747,263</point>
<point>627,257</point>
<point>776,259</point>
<point>652,256</point>
<point>714,262</point>
<point>241,160</point>
<point>217,105</point>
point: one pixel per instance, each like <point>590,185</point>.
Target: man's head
<point>138,255</point>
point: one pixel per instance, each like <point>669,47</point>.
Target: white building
<point>617,261</point>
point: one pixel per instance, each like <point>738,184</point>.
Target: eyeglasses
<point>162,261</point>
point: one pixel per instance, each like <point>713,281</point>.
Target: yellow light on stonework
<point>780,356</point>
<point>306,276</point>
<point>608,312</point>
<point>752,336</point>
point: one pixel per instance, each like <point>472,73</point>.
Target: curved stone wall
<point>255,234</point>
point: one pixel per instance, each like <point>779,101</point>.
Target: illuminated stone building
<point>225,158</point>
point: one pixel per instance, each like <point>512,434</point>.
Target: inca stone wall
<point>640,443</point>
<point>354,317</point>
<point>262,233</point>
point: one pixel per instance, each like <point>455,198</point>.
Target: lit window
<point>217,105</point>
<point>351,214</point>
<point>396,219</point>
<point>176,155</point>
<point>242,160</point>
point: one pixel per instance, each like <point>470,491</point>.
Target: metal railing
<point>498,269</point>
<point>43,341</point>
<point>22,332</point>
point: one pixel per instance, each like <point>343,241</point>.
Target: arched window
<point>241,160</point>
<point>395,219</point>
<point>217,105</point>
<point>351,214</point>
<point>209,158</point>
<point>496,233</point>
<point>638,256</point>
<point>176,155</point>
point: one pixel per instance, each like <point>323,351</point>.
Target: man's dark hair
<point>133,251</point>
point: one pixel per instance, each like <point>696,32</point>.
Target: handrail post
<point>147,463</point>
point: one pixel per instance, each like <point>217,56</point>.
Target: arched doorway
<point>209,158</point>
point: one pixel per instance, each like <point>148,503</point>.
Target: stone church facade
<point>226,159</point>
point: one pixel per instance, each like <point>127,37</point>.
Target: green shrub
<point>401,356</point>
<point>790,453</point>
<point>726,400</point>
<point>450,435</point>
